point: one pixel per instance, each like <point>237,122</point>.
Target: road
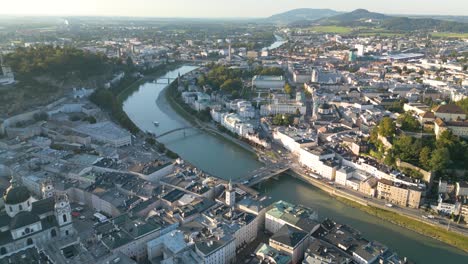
<point>411,212</point>
<point>286,159</point>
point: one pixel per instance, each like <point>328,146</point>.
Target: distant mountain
<point>424,24</point>
<point>365,18</point>
<point>358,15</point>
<point>302,14</point>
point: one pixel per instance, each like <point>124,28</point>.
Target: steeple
<point>230,194</point>
<point>47,189</point>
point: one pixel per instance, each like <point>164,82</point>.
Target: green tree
<point>387,127</point>
<point>440,159</point>
<point>151,141</point>
<point>288,89</point>
<point>298,112</point>
<point>231,85</point>
<point>408,122</point>
<point>407,149</point>
<point>463,104</point>
<point>425,158</point>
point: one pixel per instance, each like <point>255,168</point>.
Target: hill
<point>361,18</point>
<point>302,14</point>
<point>354,17</point>
<point>424,24</point>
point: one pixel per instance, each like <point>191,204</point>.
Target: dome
<point>324,106</point>
<point>23,219</point>
<point>16,195</point>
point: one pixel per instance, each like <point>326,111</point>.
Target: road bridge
<point>164,80</point>
<point>262,174</point>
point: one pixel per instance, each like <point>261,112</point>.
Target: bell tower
<point>62,209</point>
<point>47,189</point>
<point>230,195</point>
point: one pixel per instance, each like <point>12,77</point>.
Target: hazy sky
<point>222,8</point>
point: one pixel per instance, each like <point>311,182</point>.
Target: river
<point>226,160</point>
<point>278,43</point>
<point>208,152</point>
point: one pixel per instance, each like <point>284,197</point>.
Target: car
<point>82,217</point>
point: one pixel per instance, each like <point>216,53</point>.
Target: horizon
<point>209,9</point>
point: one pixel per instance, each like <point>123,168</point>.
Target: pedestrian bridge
<point>172,131</point>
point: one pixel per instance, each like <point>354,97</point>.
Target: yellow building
<point>399,194</point>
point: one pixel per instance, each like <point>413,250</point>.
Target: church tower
<point>230,195</point>
<point>63,214</point>
<point>47,189</point>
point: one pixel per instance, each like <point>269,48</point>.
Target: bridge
<point>262,174</point>
<point>172,131</point>
<point>164,80</point>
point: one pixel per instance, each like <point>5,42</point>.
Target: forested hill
<point>412,24</point>
<point>301,14</point>
<point>367,19</point>
<point>57,62</point>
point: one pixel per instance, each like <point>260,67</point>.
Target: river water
<point>208,152</point>
<point>278,43</point>
<point>229,161</point>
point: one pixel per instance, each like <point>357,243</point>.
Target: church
<point>27,222</point>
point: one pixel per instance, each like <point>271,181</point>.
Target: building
<point>449,112</point>
<point>107,133</point>
<point>130,234</point>
<point>230,195</point>
<point>458,127</point>
<point>268,254</point>
<point>326,77</point>
<point>302,76</point>
<point>282,213</point>
<point>353,54</point>
<point>348,242</point>
<point>290,241</point>
<point>27,222</point>
<point>216,251</point>
<point>282,108</point>
<point>461,189</point>
<point>399,194</point>
<point>166,246</point>
<point>321,252</point>
<point>235,124</point>
<point>6,74</point>
<point>268,82</point>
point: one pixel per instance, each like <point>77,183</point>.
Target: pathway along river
<point>226,160</point>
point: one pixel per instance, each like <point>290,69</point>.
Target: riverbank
<point>154,75</point>
<point>170,92</point>
<point>451,238</point>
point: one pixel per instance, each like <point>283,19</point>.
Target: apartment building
<point>399,194</point>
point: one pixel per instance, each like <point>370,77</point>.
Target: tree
<point>298,112</point>
<point>463,104</point>
<point>425,158</point>
<point>440,159</point>
<point>231,85</point>
<point>407,149</point>
<point>151,141</point>
<point>288,89</point>
<point>387,127</point>
<point>408,122</point>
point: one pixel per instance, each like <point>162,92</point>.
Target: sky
<point>222,8</point>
